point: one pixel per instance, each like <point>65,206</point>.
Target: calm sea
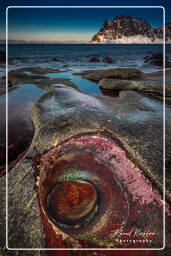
<point>75,57</point>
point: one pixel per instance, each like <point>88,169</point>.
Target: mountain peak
<point>128,29</point>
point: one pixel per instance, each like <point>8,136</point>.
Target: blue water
<point>75,57</point>
<point>66,58</point>
<point>20,126</point>
<point>24,94</point>
<point>80,50</point>
<point>84,85</point>
<point>20,103</point>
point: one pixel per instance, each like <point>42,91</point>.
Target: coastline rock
<point>2,57</point>
<point>19,76</point>
<point>35,76</point>
<point>18,147</point>
<point>94,59</point>
<point>70,100</point>
<point>55,59</point>
<point>47,84</point>
<point>154,89</point>
<point>107,60</point>
<point>3,85</point>
<point>67,112</point>
<point>158,76</point>
<point>118,73</point>
<point>156,59</point>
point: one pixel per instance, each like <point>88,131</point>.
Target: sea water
<point>75,57</point>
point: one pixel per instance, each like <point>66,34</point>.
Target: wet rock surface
<point>153,89</point>
<point>2,57</point>
<point>118,73</point>
<point>25,75</point>
<point>132,119</point>
<point>158,76</point>
<point>140,111</point>
<point>28,75</point>
<point>3,85</point>
<point>47,84</point>
<point>135,121</point>
<point>33,75</point>
<point>94,59</point>
<point>108,60</point>
<point>55,59</point>
<point>156,59</point>
<point>21,130</point>
<point>113,81</point>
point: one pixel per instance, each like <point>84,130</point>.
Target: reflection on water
<point>84,85</point>
<point>20,127</point>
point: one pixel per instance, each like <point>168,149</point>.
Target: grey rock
<point>133,119</point>
<point>118,73</point>
<point>130,116</point>
<point>150,88</point>
<point>26,229</point>
<point>36,76</point>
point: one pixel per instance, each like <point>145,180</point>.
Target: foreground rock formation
<point>69,126</point>
<point>20,126</point>
<point>108,151</point>
<point>113,81</point>
<point>127,29</point>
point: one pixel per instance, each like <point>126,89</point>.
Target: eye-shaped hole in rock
<point>72,203</point>
<point>89,188</point>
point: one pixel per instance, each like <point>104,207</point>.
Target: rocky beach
<point>96,128</point>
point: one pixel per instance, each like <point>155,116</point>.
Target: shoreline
<point>109,87</point>
<point>15,79</point>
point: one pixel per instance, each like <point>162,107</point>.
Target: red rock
<point>72,200</point>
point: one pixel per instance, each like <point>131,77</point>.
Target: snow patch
<point>138,39</point>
